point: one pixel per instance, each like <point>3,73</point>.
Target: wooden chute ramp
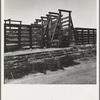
<point>55,29</point>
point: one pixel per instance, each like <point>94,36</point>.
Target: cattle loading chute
<point>55,30</point>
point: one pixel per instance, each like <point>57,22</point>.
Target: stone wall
<point>20,63</point>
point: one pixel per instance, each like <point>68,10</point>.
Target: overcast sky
<point>84,12</point>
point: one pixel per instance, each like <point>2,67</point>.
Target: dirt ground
<point>84,72</point>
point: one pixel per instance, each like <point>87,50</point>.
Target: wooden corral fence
<point>19,36</point>
<point>52,30</point>
<point>85,36</point>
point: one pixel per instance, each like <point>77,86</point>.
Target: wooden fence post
<point>70,33</point>
<point>76,36</point>
<point>88,37</point>
<point>19,36</point>
<point>5,37</point>
<point>42,36</point>
<point>82,37</point>
<point>93,37</point>
<point>59,25</point>
<point>31,36</point>
<point>47,37</point>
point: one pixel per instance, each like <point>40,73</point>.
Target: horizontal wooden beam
<point>65,10</point>
<point>7,20</point>
<point>53,13</point>
<point>22,25</point>
<point>36,25</point>
<point>15,21</point>
<point>11,25</point>
<point>12,20</point>
<point>43,17</point>
<point>78,28</point>
<point>38,20</point>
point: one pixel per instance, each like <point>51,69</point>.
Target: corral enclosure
<point>53,30</point>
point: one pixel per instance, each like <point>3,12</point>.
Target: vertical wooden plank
<point>42,36</point>
<point>70,34</point>
<point>31,36</point>
<point>82,37</point>
<point>76,36</point>
<point>59,26</point>
<point>10,24</point>
<point>47,38</point>
<point>93,36</point>
<point>5,37</point>
<point>73,31</point>
<point>88,36</point>
<point>19,36</point>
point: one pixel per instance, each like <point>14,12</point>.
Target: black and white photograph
<point>50,42</point>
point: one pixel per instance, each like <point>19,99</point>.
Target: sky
<point>84,12</point>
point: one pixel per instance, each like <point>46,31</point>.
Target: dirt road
<point>82,73</point>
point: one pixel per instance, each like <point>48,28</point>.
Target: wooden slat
<point>65,28</point>
<point>25,33</point>
<point>23,25</point>
<point>25,36</point>
<point>13,20</point>
<point>65,25</point>
<point>11,30</point>
<point>35,29</point>
<point>25,43</point>
<point>39,20</point>
<point>11,37</point>
<point>12,44</point>
<point>36,43</point>
<point>43,17</point>
<point>65,10</point>
<point>64,18</point>
<point>12,25</point>
<point>9,42</point>
<point>35,40</point>
<point>25,39</point>
<point>64,22</point>
<point>53,13</point>
<point>85,28</point>
<point>54,16</point>
<point>38,33</point>
<point>85,35</point>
